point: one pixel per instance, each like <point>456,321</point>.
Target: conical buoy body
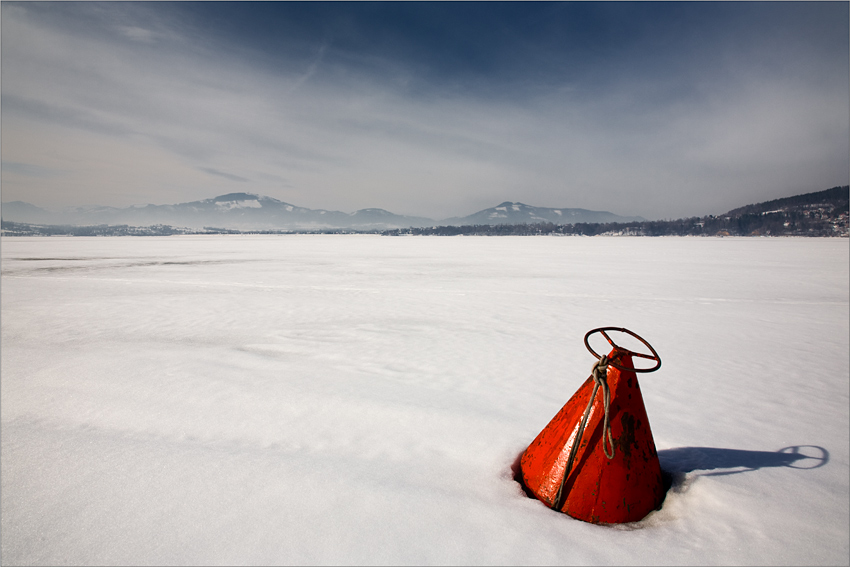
<point>599,490</point>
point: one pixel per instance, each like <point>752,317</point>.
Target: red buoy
<point>612,474</point>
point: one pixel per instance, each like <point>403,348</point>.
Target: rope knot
<point>600,370</point>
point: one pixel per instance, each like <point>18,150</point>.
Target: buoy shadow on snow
<point>677,463</point>
<point>720,462</point>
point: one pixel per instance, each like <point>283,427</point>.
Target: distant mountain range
<point>518,213</point>
<point>822,213</point>
<point>247,211</point>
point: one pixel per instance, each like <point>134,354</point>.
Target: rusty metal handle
<point>654,356</point>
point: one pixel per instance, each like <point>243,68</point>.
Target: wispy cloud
<point>226,175</point>
<point>138,34</point>
<point>28,169</point>
<point>311,70</point>
<point>423,116</point>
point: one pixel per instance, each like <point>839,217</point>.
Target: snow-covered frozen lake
<point>362,399</point>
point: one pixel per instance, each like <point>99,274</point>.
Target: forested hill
<point>836,198</point>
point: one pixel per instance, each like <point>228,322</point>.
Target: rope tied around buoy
<point>599,373</point>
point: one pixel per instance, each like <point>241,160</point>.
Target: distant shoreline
<point>714,227</point>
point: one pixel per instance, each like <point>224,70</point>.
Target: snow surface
<point>246,204</point>
<point>363,399</point>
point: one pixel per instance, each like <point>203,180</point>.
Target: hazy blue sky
<point>663,110</point>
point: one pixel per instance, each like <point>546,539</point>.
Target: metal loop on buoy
<point>654,356</point>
